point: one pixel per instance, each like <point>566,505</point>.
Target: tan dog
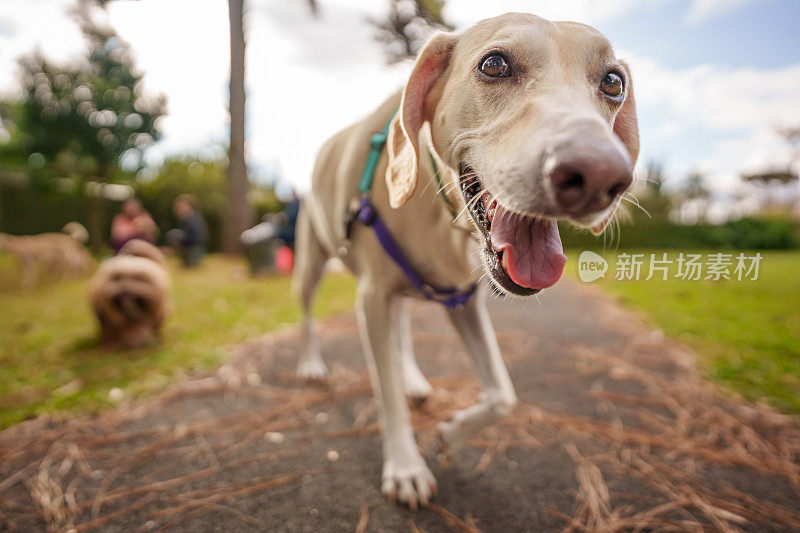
<point>129,295</point>
<point>77,231</point>
<point>528,121</point>
<point>140,248</point>
<point>50,255</point>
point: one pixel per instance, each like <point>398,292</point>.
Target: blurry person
<point>284,255</point>
<point>133,222</point>
<point>288,220</point>
<point>270,244</point>
<point>262,243</point>
<point>190,238</point>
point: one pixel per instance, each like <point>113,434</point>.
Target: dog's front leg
<point>498,399</point>
<point>406,477</point>
<point>416,386</point>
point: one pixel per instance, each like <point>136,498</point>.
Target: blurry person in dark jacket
<point>190,238</point>
<point>286,229</point>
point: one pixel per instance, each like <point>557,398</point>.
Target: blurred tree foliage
<point>313,6</point>
<point>694,186</point>
<point>206,181</point>
<point>407,25</point>
<point>89,121</point>
<point>774,183</point>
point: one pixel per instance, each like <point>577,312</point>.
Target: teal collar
<point>377,143</point>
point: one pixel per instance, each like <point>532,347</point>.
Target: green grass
<point>51,362</point>
<point>746,333</point>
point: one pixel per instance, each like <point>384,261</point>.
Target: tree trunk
<point>237,210</point>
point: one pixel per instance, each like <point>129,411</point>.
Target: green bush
<point>27,210</point>
<point>204,180</point>
<point>749,233</point>
<point>755,233</point>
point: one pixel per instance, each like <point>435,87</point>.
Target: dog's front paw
<point>417,388</point>
<point>409,482</point>
<point>452,435</point>
<point>312,370</point>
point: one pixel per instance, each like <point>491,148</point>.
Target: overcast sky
<point>713,77</point>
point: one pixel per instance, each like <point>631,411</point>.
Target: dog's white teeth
<point>504,261</point>
<point>492,209</point>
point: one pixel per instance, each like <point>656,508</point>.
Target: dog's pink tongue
<point>533,248</point>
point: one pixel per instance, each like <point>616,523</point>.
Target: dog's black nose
<point>587,179</point>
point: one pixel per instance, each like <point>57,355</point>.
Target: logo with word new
<point>591,266</point>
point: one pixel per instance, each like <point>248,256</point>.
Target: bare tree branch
<point>407,26</point>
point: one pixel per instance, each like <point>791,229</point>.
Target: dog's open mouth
<point>523,253</point>
<point>133,305</point>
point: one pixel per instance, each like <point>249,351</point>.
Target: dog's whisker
<point>469,205</point>
<point>629,194</point>
<point>637,204</point>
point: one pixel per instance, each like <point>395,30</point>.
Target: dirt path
<point>614,432</point>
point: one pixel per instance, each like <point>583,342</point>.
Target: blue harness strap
<point>366,213</point>
<point>448,297</point>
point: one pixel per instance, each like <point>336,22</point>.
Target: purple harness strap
<point>450,298</point>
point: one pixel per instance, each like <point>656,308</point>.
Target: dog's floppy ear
<point>415,109</point>
<point>626,127</point>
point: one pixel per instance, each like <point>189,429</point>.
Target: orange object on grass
<point>284,260</point>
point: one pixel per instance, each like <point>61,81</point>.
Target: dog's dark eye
<point>496,66</point>
<point>612,85</point>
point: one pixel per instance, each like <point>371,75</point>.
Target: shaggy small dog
<point>129,295</point>
<point>50,255</point>
<point>140,248</point>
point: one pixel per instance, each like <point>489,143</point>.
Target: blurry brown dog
<point>129,295</point>
<point>50,255</point>
<point>140,248</point>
